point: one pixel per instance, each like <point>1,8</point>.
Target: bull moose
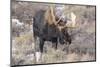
<point>45,28</point>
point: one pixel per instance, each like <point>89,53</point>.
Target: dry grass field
<point>83,43</point>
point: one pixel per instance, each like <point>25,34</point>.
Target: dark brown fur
<point>48,32</point>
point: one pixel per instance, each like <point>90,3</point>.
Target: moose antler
<point>72,22</point>
<point>50,17</point>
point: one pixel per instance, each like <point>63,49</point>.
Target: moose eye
<point>57,18</point>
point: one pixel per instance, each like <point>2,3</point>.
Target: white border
<point>90,2</point>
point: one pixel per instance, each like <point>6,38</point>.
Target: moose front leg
<point>54,43</point>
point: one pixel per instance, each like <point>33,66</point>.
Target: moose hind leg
<point>41,44</point>
<point>38,49</point>
<point>39,53</point>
